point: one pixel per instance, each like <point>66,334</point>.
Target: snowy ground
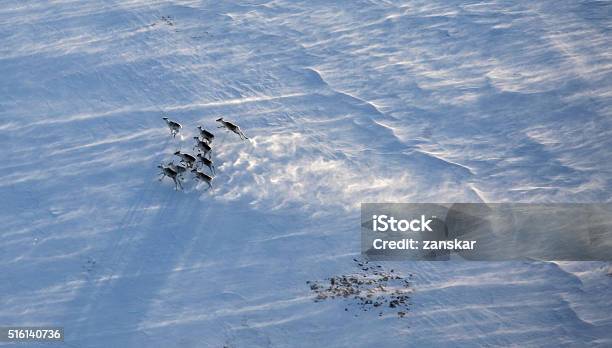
<point>356,101</point>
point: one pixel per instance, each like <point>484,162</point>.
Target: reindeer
<point>186,158</point>
<point>231,127</point>
<point>207,162</point>
<point>206,135</point>
<point>169,172</point>
<point>202,146</point>
<point>175,127</point>
<point>177,168</point>
<point>203,177</point>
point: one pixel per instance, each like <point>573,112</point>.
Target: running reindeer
<point>179,168</point>
<point>169,172</point>
<point>175,127</point>
<point>203,177</point>
<point>203,146</point>
<point>206,135</point>
<point>207,162</point>
<point>231,127</point>
<point>186,158</point>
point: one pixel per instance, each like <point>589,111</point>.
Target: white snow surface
<point>345,102</point>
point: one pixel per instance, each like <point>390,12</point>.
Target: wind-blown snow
<point>350,102</point>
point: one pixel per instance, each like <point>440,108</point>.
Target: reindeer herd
<point>202,156</point>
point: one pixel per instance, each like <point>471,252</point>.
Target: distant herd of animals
<point>200,158</point>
